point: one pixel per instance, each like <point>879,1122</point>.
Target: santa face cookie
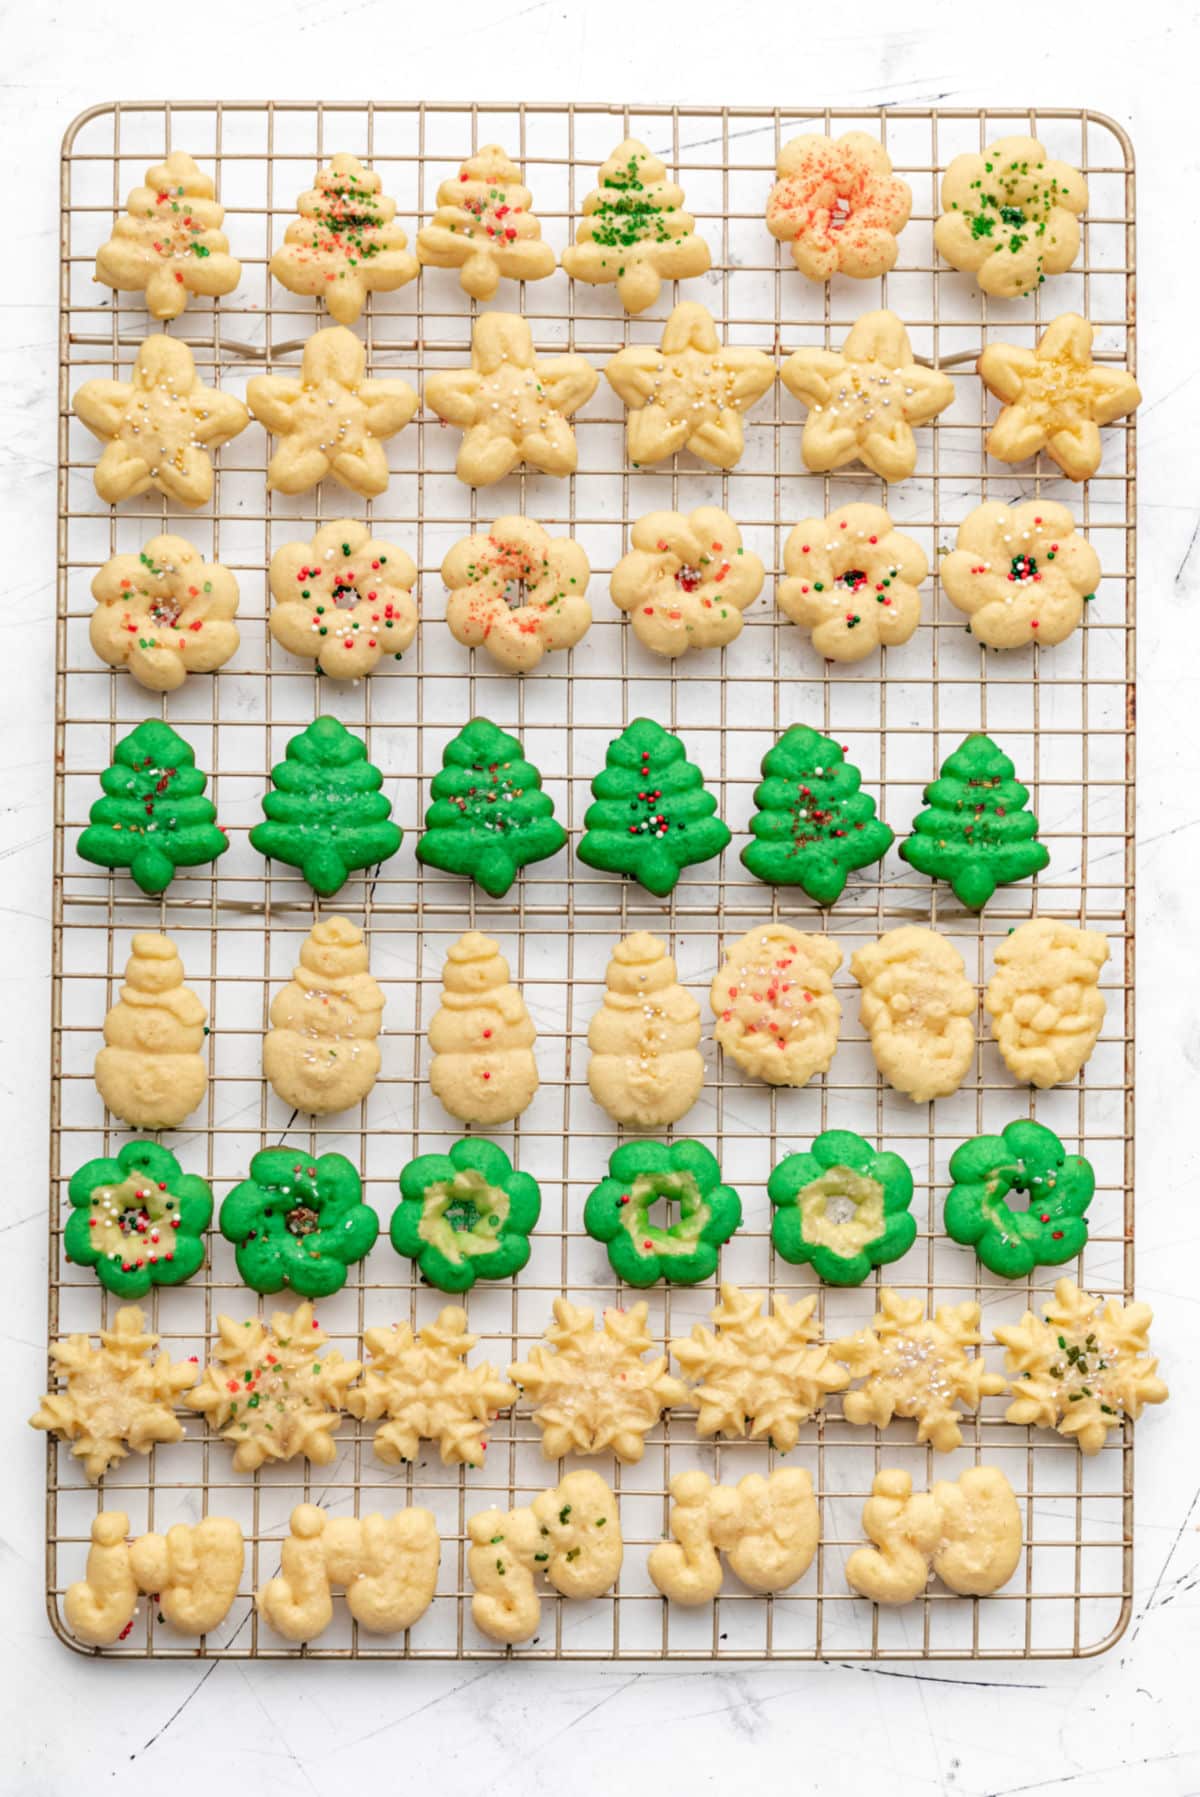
<point>686,581</point>
<point>776,1010</point>
<point>344,600</point>
<point>839,205</point>
<point>919,1009</point>
<point>1044,999</point>
<point>517,592</point>
<point>168,243</point>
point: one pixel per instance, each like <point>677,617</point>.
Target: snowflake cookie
<point>465,1215</point>
<point>686,581</point>
<point>1021,576</point>
<point>966,1530</point>
<point>1027,1158</point>
<point>489,816</point>
<point>387,1566</point>
<point>646,1069</point>
<point>813,825</point>
<point>918,1007</point>
<point>1044,999</point>
<point>1055,397</point>
<point>773,999</point>
<point>482,1036</point>
<point>917,1367</point>
<point>420,1388</point>
<point>592,1390</point>
<point>164,613</point>
<point>767,1529</point>
<point>683,1247</point>
<point>345,243</point>
<point>298,1222</point>
<point>118,1397</point>
<point>842,1207</point>
<point>150,1072</point>
<point>192,1573</point>
<point>838,204</point>
<point>344,600</point>
<point>1009,215</point>
<point>485,227</point>
<point>331,419</point>
<point>690,392</point>
<point>321,1053</point>
<point>1083,1367</point>
<point>168,243</point>
<point>852,581</point>
<point>571,1534</point>
<point>517,592</point>
<point>634,230</point>
<point>138,1219</point>
<point>267,1393</point>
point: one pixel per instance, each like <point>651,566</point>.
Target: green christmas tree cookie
<point>489,816</point>
<point>153,817</point>
<point>843,1207</point>
<point>813,824</point>
<point>138,1219</point>
<point>465,1215</point>
<point>298,1222</point>
<point>327,815</point>
<point>642,1174</point>
<point>976,833</point>
<point>1027,1158</point>
<point>652,816</point>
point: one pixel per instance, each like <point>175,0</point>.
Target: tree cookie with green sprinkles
<point>1027,1159</point>
<point>154,817</point>
<point>977,833</point>
<point>642,1175</point>
<point>1010,215</point>
<point>298,1222</point>
<point>634,230</point>
<point>465,1215</point>
<point>138,1219</point>
<point>813,824</point>
<point>842,1207</point>
<point>652,814</point>
<point>327,815</point>
<point>489,817</point>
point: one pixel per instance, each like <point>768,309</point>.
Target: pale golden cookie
<point>773,999</point>
<point>345,243</point>
<point>1044,999</point>
<point>864,399</point>
<point>168,243</point>
<point>331,420</point>
<point>1083,1367</point>
<point>1055,397</point>
<point>160,427</point>
<point>919,1008</point>
<point>387,1566</point>
<point>485,227</point>
<point>646,1069</point>
<point>767,1528</point>
<point>917,1367</point>
<point>839,205</point>
<point>1009,215</point>
<point>321,1054</point>
<point>1021,576</point>
<point>966,1530</point>
<point>517,592</point>
<point>344,600</point>
<point>118,1398</point>
<point>686,581</point>
<point>270,1393</point>
<point>634,230</point>
<point>164,614</point>
<point>482,1037</point>
<point>690,392</point>
<point>150,1072</point>
<point>193,1572</point>
<point>592,1390</point>
<point>423,1389</point>
<point>571,1533</point>
<point>852,581</point>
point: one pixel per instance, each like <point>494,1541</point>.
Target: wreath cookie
<point>164,613</point>
<point>485,227</point>
<point>690,392</point>
<point>1026,1158</point>
<point>977,832</point>
<point>517,592</point>
<point>1044,999</point>
<point>168,243</point>
<point>651,814</point>
<point>838,204</point>
<point>967,1531</point>
<point>327,815</point>
<point>852,581</point>
<point>917,1367</point>
<point>1055,397</point>
<point>420,1388</point>
<point>118,1397</point>
<point>686,581</point>
<point>814,825</point>
<point>1009,215</point>
<point>465,1215</point>
<point>842,1207</point>
<point>298,1222</point>
<point>777,1013</point>
<point>644,1174</point>
<point>138,1219</point>
<point>919,1008</point>
<point>634,230</point>
<point>269,1391</point>
<point>1021,576</point>
<point>344,600</point>
<point>489,817</point>
<point>592,1388</point>
<point>345,243</point>
<point>154,817</point>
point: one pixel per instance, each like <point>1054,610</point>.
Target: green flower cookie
<point>154,816</point>
<point>327,815</point>
<point>298,1222</point>
<point>842,1206</point>
<point>1026,1158</point>
<point>977,833</point>
<point>465,1215</point>
<point>813,824</point>
<point>652,816</point>
<point>489,817</point>
<point>639,1175</point>
<point>138,1219</point>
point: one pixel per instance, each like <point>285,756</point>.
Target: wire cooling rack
<point>1065,715</point>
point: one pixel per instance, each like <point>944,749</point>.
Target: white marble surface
<point>1125,1723</point>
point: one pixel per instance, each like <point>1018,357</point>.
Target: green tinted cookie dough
<point>298,1222</point>
<point>153,817</point>
<point>651,816</point>
<point>327,815</point>
<point>813,823</point>
<point>138,1220</point>
<point>977,833</point>
<point>465,1215</point>
<point>843,1207</point>
<point>1026,1158</point>
<point>644,1174</point>
<point>489,817</point>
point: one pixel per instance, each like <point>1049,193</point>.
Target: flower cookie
<point>150,1072</point>
<point>1021,576</point>
<point>864,399</point>
<point>489,816</point>
<point>168,243</point>
<point>321,1053</point>
<point>1055,397</point>
<point>327,815</point>
<point>517,592</point>
<point>852,581</point>
<point>966,1530</point>
<point>918,1008</point>
<point>571,1534</point>
<point>690,392</point>
<point>777,1013</point>
<point>118,1398</point>
<point>298,1222</point>
<point>332,419</point>
<point>482,1036</point>
<point>1009,215</point>
<point>269,1391</point>
<point>684,1246</point>
<point>917,1367</point>
<point>192,1573</point>
<point>511,404</point>
<point>1044,999</point>
<point>646,1069</point>
<point>1026,1158</point>
<point>465,1215</point>
<point>686,581</point>
<point>344,600</point>
<point>767,1528</point>
<point>159,428</point>
<point>838,204</point>
<point>592,1388</point>
<point>138,1219</point>
<point>651,815</point>
<point>1082,1367</point>
<point>420,1388</point>
<point>345,243</point>
<point>842,1207</point>
<point>164,613</point>
<point>814,825</point>
<point>154,817</point>
<point>634,230</point>
<point>976,832</point>
<point>485,227</point>
<point>387,1566</point>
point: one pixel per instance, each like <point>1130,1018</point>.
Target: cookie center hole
<point>166,612</point>
<point>1012,215</point>
<point>688,578</point>
<point>516,593</point>
<point>840,213</point>
<point>302,1219</point>
<point>345,597</point>
<point>133,1219</point>
<point>852,579</point>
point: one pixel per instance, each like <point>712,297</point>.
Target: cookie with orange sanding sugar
<point>838,204</point>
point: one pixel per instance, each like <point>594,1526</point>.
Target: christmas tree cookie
<point>683,1247</point>
<point>652,816</point>
<point>168,243</point>
<point>482,1037</point>
<point>298,1222</point>
<point>344,244</point>
<point>843,1207</point>
<point>465,1215</point>
<point>489,816</point>
<point>321,1053</point>
<point>327,815</point>
<point>646,1068</point>
<point>153,817</point>
<point>1050,1227</point>
<point>977,833</point>
<point>150,1072</point>
<point>138,1219</point>
<point>634,230</point>
<point>813,824</point>
<point>485,227</point>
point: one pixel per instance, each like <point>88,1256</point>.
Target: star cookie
<point>852,580</point>
<point>344,600</point>
<point>168,243</point>
<point>118,1397</point>
<point>918,1367</point>
<point>344,244</point>
<point>485,227</point>
<point>331,420</point>
<point>423,1390</point>
<point>1009,215</point>
<point>164,613</point>
<point>593,1390</point>
<point>689,393</point>
<point>686,581</point>
<point>1055,397</point>
<point>517,592</point>
<point>268,1395</point>
<point>839,205</point>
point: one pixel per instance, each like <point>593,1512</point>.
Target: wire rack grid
<point>1065,715</point>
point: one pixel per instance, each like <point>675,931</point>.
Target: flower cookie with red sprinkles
<point>485,227</point>
<point>344,600</point>
<point>344,244</point>
<point>777,1014</point>
<point>164,613</point>
<point>686,581</point>
<point>168,243</point>
<point>1021,576</point>
<point>839,205</point>
<point>1048,1223</point>
<point>852,580</point>
<point>517,592</point>
<point>138,1219</point>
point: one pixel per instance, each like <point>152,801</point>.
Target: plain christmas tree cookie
<point>838,204</point>
<point>1020,575</point>
<point>686,581</point>
<point>646,1069</point>
<point>483,1070</point>
<point>327,815</point>
<point>690,392</point>
<point>465,1215</point>
<point>1047,1228</point>
<point>696,1213</point>
<point>1010,215</point>
<point>153,817</point>
<point>138,1219</point>
<point>1055,397</point>
<point>777,1013</point>
<point>517,592</point>
<point>842,1207</point>
<point>976,833</point>
<point>321,1053</point>
<point>1044,999</point>
<point>345,243</point>
<point>634,230</point>
<point>651,815</point>
<point>331,419</point>
<point>852,580</point>
<point>489,816</point>
<point>918,1007</point>
<point>814,825</point>
<point>168,242</point>
<point>344,600</point>
<point>298,1222</point>
<point>164,613</point>
<point>485,227</point>
<point>150,1072</point>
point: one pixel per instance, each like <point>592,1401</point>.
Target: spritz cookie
<point>191,1574</point>
<point>345,243</point>
<point>118,1398</point>
<point>767,1528</point>
<point>634,230</point>
<point>571,1534</point>
<point>864,399</point>
<point>917,1367</point>
<point>517,592</point>
<point>777,1013</point>
<point>646,1069</point>
<point>852,580</point>
<point>271,1393</point>
<point>918,1007</point>
<point>1044,999</point>
<point>966,1530</point>
<point>838,204</point>
<point>485,227</point>
<point>1010,215</point>
<point>164,613</point>
<point>686,581</point>
<point>332,419</point>
<point>343,600</point>
<point>1055,397</point>
<point>168,242</point>
<point>592,1388</point>
<point>690,392</point>
<point>1021,575</point>
<point>387,1566</point>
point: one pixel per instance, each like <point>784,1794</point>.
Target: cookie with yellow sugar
<point>1044,999</point>
<point>777,1013</point>
<point>1054,397</point>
